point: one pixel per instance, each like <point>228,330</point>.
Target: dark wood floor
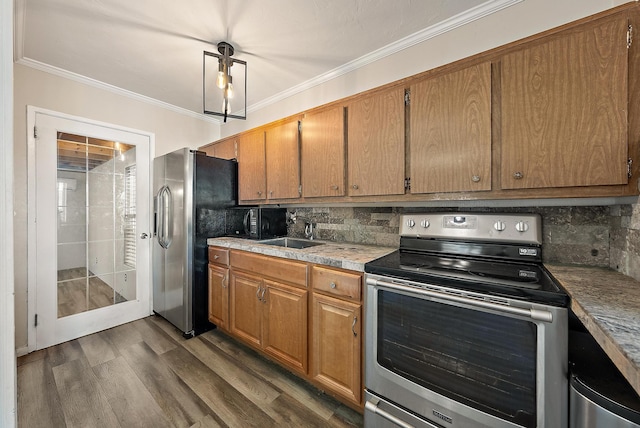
<point>145,374</point>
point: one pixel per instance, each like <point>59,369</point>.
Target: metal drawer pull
<point>334,187</point>
<point>216,257</point>
<point>332,285</point>
<point>373,408</point>
<point>475,178</point>
<point>534,314</point>
<point>355,320</point>
<point>518,175</point>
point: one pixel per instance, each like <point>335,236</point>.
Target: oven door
<point>462,359</point>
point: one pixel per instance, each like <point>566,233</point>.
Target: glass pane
<point>96,223</point>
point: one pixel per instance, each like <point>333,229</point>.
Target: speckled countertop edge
<point>342,255</point>
<point>608,304</point>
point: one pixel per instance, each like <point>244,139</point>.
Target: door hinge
<point>629,164</point>
<point>407,183</point>
<point>36,321</point>
<point>629,35</point>
<point>35,132</point>
<point>407,97</point>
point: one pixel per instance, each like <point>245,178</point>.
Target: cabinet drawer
<point>337,282</point>
<point>219,256</point>
<point>291,272</point>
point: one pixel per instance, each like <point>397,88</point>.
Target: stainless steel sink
<point>290,243</point>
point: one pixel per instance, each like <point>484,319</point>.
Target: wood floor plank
<point>207,422</point>
<point>130,401</point>
<point>65,352</point>
<point>153,336</point>
<point>225,401</point>
<point>112,378</point>
<point>123,336</point>
<point>38,401</point>
<point>272,373</point>
<point>97,349</point>
<point>258,391</point>
<point>178,402</point>
<point>83,402</point>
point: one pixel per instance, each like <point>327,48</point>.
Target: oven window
<point>483,360</point>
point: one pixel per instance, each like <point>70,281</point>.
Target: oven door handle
<point>372,406</point>
<point>535,314</point>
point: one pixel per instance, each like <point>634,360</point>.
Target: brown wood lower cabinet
<point>336,354</point>
<point>267,312</point>
<point>219,287</point>
<point>315,334</point>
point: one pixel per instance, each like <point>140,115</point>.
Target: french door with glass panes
<point>91,210</point>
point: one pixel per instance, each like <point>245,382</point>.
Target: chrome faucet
<point>308,230</point>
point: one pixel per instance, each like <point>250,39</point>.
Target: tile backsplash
<point>605,236</point>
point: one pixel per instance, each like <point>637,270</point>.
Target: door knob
<point>144,235</point>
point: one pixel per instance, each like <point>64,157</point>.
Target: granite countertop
<point>342,255</point>
<point>608,304</point>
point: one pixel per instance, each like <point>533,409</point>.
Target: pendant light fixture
<point>224,83</point>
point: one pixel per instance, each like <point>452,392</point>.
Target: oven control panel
<point>521,228</point>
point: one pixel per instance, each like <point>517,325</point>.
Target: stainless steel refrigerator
<point>192,192</point>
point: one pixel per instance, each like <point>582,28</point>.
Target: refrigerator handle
<point>165,213</point>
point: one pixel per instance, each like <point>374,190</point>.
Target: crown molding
<point>111,88</point>
<point>487,8</point>
<point>480,11</point>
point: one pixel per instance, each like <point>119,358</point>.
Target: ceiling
<point>154,48</point>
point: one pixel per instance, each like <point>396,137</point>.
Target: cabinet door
<point>251,167</point>
<point>226,149</point>
<point>219,296</point>
<point>563,111</point>
<point>283,161</point>
<point>376,144</point>
<point>322,153</point>
<point>450,143</point>
<point>285,324</point>
<point>336,353</point>
<point>245,308</point>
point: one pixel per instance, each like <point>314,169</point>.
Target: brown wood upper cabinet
<point>323,153</point>
<point>252,167</point>
<point>283,161</point>
<point>450,140</point>
<point>564,109</point>
<point>376,144</point>
<point>223,149</point>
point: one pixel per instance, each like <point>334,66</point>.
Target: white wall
<point>513,23</point>
<point>7,334</point>
<point>33,87</point>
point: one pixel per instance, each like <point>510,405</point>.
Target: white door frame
<point>92,327</point>
<point>7,304</point>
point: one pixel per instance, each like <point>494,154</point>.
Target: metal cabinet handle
<point>332,285</point>
<point>334,187</point>
<point>354,186</point>
<point>216,257</point>
<point>264,290</point>
<point>475,178</point>
<point>259,192</point>
<point>225,281</point>
<point>271,193</point>
<point>258,293</point>
<point>355,320</point>
<point>518,175</point>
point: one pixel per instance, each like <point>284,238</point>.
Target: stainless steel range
<point>465,327</point>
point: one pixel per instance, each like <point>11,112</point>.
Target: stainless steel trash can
<point>599,396</point>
